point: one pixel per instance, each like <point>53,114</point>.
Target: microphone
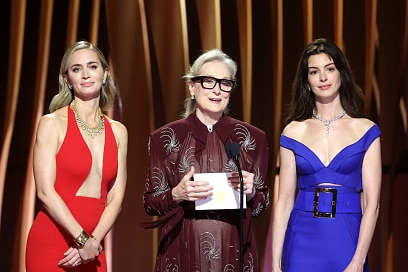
<point>233,151</point>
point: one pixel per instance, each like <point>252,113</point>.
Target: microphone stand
<point>233,150</point>
<point>241,214</point>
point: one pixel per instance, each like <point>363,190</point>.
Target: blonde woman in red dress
<point>79,168</point>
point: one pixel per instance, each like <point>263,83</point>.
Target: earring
<point>192,97</point>
<point>308,88</point>
<point>69,86</point>
<point>104,81</point>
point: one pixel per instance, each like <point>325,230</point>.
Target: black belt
<point>228,216</point>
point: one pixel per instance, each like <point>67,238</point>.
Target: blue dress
<point>324,225</point>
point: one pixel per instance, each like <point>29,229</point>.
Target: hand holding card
<point>224,196</point>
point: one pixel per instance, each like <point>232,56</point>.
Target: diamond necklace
<point>92,131</point>
<point>328,122</point>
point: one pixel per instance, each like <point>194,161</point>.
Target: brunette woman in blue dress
<point>329,154</point>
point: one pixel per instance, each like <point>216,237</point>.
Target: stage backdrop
<point>150,45</point>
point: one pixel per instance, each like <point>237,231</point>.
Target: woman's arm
<point>372,175</point>
<point>284,204</point>
<point>44,162</point>
<point>161,195</point>
<point>47,144</point>
<point>157,197</point>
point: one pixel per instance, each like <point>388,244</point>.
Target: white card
<point>224,196</point>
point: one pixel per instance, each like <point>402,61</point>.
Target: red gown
<point>47,242</point>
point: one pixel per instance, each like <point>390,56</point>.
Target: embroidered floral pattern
<point>257,210</point>
<point>230,166</point>
<point>258,182</point>
<point>246,140</point>
<point>170,141</point>
<point>186,160</point>
<point>229,268</point>
<point>266,198</point>
<point>250,266</point>
<point>159,182</point>
<point>172,266</point>
<point>209,245</point>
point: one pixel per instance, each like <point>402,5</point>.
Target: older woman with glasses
<point>195,239</point>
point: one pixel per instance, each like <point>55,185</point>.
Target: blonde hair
<point>66,95</point>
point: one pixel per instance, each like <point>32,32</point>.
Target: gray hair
<point>195,68</point>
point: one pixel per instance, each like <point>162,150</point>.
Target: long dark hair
<point>303,100</point>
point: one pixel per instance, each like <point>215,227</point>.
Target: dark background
<point>149,45</point>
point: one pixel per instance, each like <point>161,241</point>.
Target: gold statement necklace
<point>92,131</point>
<point>328,122</point>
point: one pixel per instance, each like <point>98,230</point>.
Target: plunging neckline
<point>337,154</point>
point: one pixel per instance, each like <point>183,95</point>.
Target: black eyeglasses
<point>207,82</point>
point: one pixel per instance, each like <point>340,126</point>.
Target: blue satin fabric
<point>325,244</point>
<point>320,244</point>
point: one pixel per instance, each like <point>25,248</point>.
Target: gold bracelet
<point>81,239</point>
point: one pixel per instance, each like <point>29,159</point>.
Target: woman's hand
<point>71,259</point>
<point>90,251</point>
<point>248,180</point>
<point>190,190</point>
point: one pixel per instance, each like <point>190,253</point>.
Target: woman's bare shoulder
<point>55,118</point>
<point>294,129</point>
<point>116,125</point>
<point>119,130</point>
<point>362,125</point>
